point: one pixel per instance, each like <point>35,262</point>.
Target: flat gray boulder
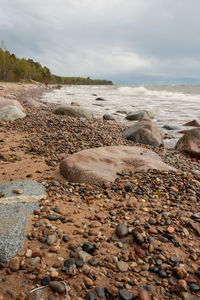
<point>102,164</point>
<point>73,111</point>
<point>139,115</point>
<point>144,132</point>
<point>11,113</point>
<point>18,199</point>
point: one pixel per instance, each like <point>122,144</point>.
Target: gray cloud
<point>115,39</point>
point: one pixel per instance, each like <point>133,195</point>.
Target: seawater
<point>171,105</point>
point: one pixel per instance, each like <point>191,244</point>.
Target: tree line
<point>15,69</point>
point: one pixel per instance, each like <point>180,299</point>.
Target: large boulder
<point>8,102</point>
<point>144,132</point>
<point>18,199</point>
<point>11,113</point>
<point>139,115</point>
<point>73,111</point>
<point>102,164</point>
<point>190,142</point>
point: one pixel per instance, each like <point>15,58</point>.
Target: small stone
<point>14,264</point>
<point>84,256</point>
<point>122,266</point>
<point>45,281</point>
<point>121,230</point>
<point>90,296</point>
<point>93,261</point>
<point>66,238</point>
<point>18,191</point>
<point>144,295</point>
<point>34,261</point>
<point>138,237</point>
<point>100,292</point>
<point>181,272</point>
<point>194,287</point>
<point>125,295</point>
<point>51,239</point>
<point>181,285</point>
<point>187,296</point>
<point>57,287</point>
<point>162,273</point>
<point>170,229</point>
<point>28,253</point>
<point>88,247</point>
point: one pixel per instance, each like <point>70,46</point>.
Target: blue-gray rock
<point>100,292</point>
<point>125,295</point>
<point>90,296</point>
<point>187,296</point>
<point>14,211</point>
<point>170,127</point>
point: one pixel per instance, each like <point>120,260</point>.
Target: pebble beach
<point>135,238</point>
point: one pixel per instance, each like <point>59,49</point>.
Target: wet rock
<point>108,117</point>
<point>144,132</point>
<point>190,142</point>
<point>139,115</point>
<point>57,287</point>
<point>121,230</point>
<point>170,127</point>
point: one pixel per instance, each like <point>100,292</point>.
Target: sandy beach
<point>158,256</point>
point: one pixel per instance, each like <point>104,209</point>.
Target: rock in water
<point>139,115</point>
<point>144,132</point>
<point>102,164</point>
<point>11,113</point>
<point>73,111</point>
<point>14,211</point>
<point>190,143</point>
<point>193,123</point>
<point>108,117</point>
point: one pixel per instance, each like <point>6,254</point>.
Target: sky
<point>126,41</point>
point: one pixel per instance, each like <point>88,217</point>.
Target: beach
<point>143,228</point>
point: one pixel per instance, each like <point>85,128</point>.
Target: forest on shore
<point>13,69</point>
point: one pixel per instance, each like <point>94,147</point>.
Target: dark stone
<point>90,296</point>
<point>66,238</point>
<point>125,295</point>
<point>100,292</point>
<point>138,237</point>
<point>68,262</point>
<point>88,247</point>
<point>194,287</point>
<point>108,117</point>
<point>162,273</point>
<point>121,230</point>
<point>53,218</point>
<point>45,281</point>
<point>79,263</point>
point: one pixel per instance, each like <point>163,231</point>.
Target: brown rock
<point>194,123</point>
<point>102,164</point>
<point>57,287</point>
<point>144,132</point>
<point>190,143</point>
<point>14,264</point>
<point>144,295</point>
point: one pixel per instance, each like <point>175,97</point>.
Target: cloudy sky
<point>127,41</point>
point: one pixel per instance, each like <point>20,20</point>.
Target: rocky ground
<point>137,238</point>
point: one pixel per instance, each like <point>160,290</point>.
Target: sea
<point>172,105</point>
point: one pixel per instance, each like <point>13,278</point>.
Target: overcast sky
<point>127,41</point>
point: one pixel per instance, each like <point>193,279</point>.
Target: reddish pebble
<point>144,295</point>
<point>153,229</point>
<point>170,229</point>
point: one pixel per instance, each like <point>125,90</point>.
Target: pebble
<point>125,295</point>
<point>122,266</point>
<point>162,273</point>
<point>28,253</point>
<point>34,261</point>
<point>90,296</point>
<point>84,256</point>
<point>14,264</point>
<point>187,296</point>
<point>144,295</point>
<point>88,247</point>
<point>51,239</point>
<point>138,237</point>
<point>100,292</point>
<point>57,287</point>
<point>194,287</point>
<point>121,230</point>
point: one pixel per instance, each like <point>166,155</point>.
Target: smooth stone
<point>144,295</point>
<point>51,239</point>
<point>57,287</point>
<point>11,113</point>
<point>122,266</point>
<point>121,230</point>
<point>100,292</point>
<point>84,256</point>
<point>139,115</point>
<point>35,260</point>
<point>194,287</point>
<point>90,296</point>
<point>190,143</point>
<point>125,295</point>
<point>88,247</point>
<point>187,296</point>
<point>170,127</point>
<point>108,117</point>
<point>73,111</point>
<point>138,237</point>
<point>99,165</point>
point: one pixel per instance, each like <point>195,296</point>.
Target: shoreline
<point>33,147</point>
